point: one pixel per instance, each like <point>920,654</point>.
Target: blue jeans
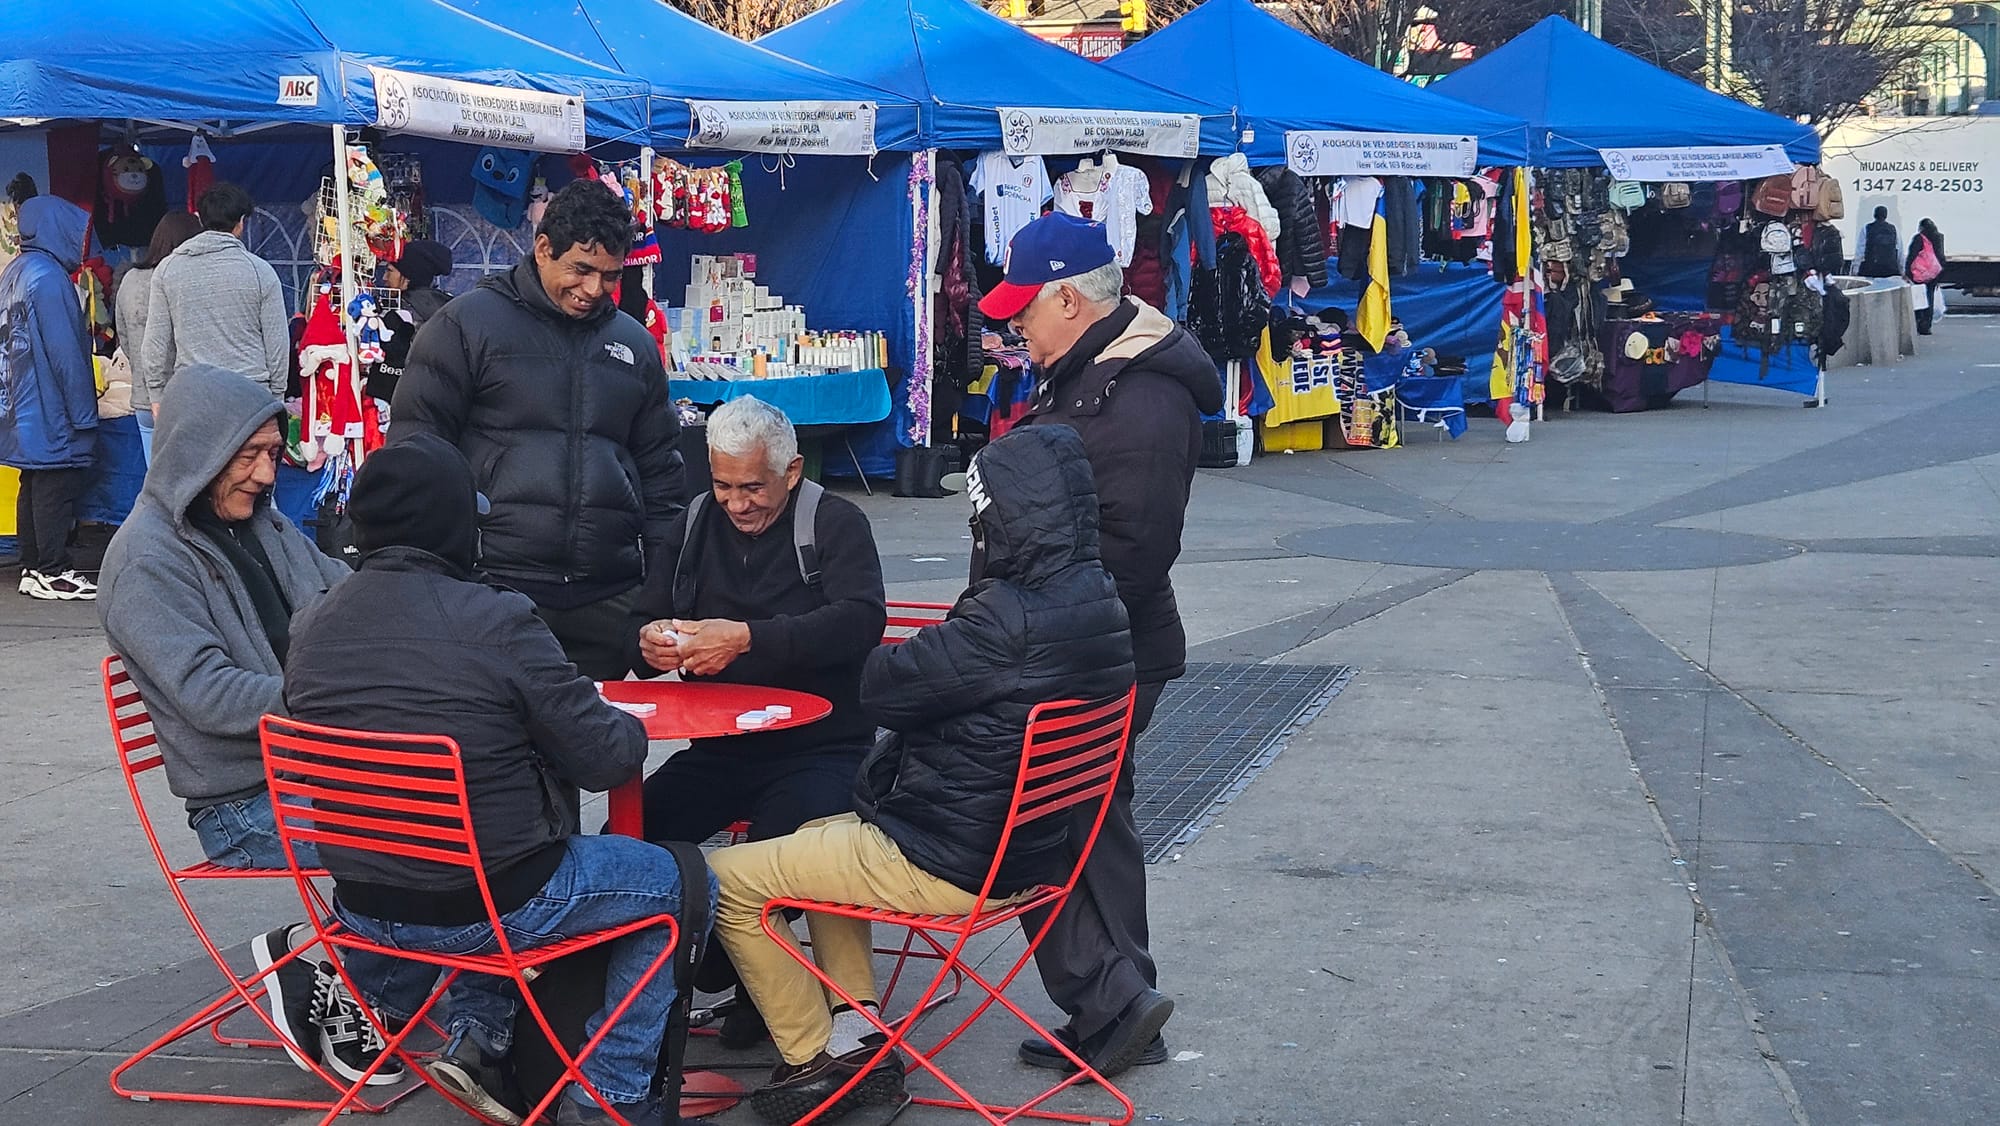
<point>144,417</point>
<point>602,882</point>
<point>244,834</point>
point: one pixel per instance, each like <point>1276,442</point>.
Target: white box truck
<point>1946,169</point>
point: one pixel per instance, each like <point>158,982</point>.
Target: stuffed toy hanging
<point>669,194</point>
<point>367,321</point>
<point>131,198</point>
<point>378,223</point>
<point>335,412</point>
<point>200,165</point>
<point>632,188</point>
<point>500,181</point>
<point>538,201</point>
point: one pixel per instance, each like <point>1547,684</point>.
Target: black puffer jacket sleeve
<point>970,660</point>
<point>1302,242</point>
<point>1046,626</point>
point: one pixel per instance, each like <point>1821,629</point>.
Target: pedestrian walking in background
<point>1923,266</point>
<point>131,304</point>
<point>48,394</point>
<point>214,302</point>
<point>1878,247</point>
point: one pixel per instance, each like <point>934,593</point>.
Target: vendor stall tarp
<point>966,65</point>
<point>1579,94</point>
<point>688,62</point>
<point>232,64</point>
<point>1280,80</point>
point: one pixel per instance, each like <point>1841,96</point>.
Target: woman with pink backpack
<point>1923,266</point>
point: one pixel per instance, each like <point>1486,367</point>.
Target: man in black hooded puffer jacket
<point>1041,622</point>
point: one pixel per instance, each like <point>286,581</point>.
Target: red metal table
<point>699,710</point>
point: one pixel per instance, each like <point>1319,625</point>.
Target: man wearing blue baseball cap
<point>1134,385</point>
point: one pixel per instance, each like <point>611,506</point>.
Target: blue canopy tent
<point>1279,79</point>
<point>686,61</point>
<point>1579,95</point>
<point>233,66</point>
<point>965,65</point>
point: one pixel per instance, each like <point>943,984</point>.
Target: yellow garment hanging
<point>1371,320</point>
<point>1295,394</point>
<point>1523,240</point>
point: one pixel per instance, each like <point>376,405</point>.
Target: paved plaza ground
<point>1664,790</point>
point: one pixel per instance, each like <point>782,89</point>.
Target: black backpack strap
<point>805,518</point>
<point>696,505</point>
<point>693,920</point>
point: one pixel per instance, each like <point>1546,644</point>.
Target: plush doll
<point>131,198</point>
<point>200,165</point>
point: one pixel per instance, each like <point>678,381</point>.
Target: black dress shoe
<point>1037,1052</point>
<point>794,1090</point>
<point>1127,1040</point>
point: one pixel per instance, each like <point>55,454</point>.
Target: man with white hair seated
<point>772,582</point>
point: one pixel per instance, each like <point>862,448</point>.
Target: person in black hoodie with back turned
<point>1040,622</point>
<point>1135,386</point>
<point>415,643</point>
<point>560,403</point>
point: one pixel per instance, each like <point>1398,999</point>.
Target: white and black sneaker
<point>66,587</point>
<point>289,993</point>
<point>480,1081</point>
<point>348,1043</point>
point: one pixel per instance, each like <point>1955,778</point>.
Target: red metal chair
<point>138,754</point>
<point>906,618</point>
<point>1070,757</point>
<point>404,796</point>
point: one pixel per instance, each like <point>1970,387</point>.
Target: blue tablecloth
<point>841,399</point>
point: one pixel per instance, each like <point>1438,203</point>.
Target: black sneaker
<point>348,1042</point>
<point>794,1090</point>
<point>289,994</point>
<point>652,1112</point>
<point>480,1081</point>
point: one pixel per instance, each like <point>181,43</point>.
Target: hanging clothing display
<point>1230,183</point>
<point>1237,221</point>
<point>1302,245</point>
<point>1014,190</point>
<point>1109,193</point>
<point>1355,199</point>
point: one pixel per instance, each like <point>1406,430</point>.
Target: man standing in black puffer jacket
<point>1134,385</point>
<point>559,401</point>
<point>1041,622</point>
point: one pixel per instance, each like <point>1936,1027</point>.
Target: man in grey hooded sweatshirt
<point>197,594</point>
<point>214,302</point>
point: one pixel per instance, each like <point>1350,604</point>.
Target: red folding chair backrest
<point>131,724</point>
<point>1070,756</point>
<point>906,618</point>
<point>371,792</point>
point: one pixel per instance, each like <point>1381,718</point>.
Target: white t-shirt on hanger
<point>1109,193</point>
<point>1015,191</point>
<point>1354,200</point>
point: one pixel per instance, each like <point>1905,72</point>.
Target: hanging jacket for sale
<point>1235,220</point>
<point>1241,307</point>
<point>1301,243</point>
<point>1405,224</point>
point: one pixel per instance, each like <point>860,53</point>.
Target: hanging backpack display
<point>1831,205</point>
<point>1676,196</point>
<point>1628,194</point>
<point>1773,197</point>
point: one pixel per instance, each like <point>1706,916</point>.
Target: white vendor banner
<point>825,128</point>
<point>1059,132</point>
<point>476,114</point>
<point>1697,165</point>
<point>1331,152</point>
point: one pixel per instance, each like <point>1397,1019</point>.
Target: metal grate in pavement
<point>1214,730</point>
